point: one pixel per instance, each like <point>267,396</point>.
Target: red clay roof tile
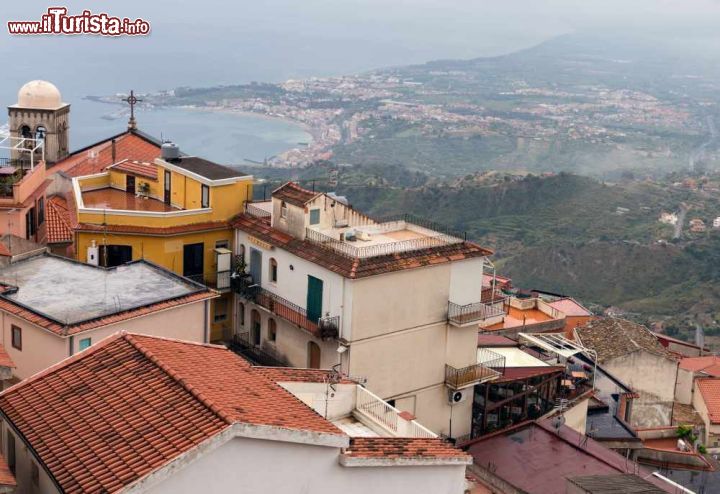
<point>402,447</point>
<point>710,391</point>
<point>58,221</point>
<point>139,168</point>
<point>130,404</point>
<point>293,194</point>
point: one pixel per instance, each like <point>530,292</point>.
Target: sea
<point>221,42</point>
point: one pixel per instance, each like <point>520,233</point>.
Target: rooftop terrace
<point>109,198</point>
<point>70,292</point>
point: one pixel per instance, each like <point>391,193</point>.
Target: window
<point>220,310</point>
<point>115,255</point>
<point>11,451</point>
<point>272,330</point>
<point>241,253</point>
<point>40,133</point>
<point>30,223</point>
<point>41,210</point>
<point>314,216</point>
<point>34,473</point>
<point>85,343</point>
<point>283,209</point>
<point>222,244</point>
<point>16,337</point>
<point>273,270</point>
<point>313,355</point>
<point>241,314</point>
<point>205,199</point>
<point>25,132</point>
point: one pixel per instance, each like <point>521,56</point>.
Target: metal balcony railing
<point>490,366</point>
<point>471,313</point>
<point>324,327</point>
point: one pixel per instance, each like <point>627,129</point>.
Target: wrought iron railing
<point>490,366</point>
<point>256,211</point>
<point>353,251</point>
<point>241,344</point>
<point>478,311</point>
<point>324,327</point>
<point>387,417</point>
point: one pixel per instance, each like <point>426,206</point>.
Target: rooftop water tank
<point>170,151</point>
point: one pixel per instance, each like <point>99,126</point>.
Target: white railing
<point>387,417</point>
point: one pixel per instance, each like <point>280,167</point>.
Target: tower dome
<point>41,95</point>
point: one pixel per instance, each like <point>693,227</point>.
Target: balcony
<point>464,315</point>
<point>325,327</point>
<point>379,414</point>
<point>490,366</point>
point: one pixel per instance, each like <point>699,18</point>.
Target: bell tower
<point>40,114</point>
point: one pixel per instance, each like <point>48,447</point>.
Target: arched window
<point>241,253</point>
<point>241,314</point>
<point>40,133</point>
<point>273,268</point>
<point>313,355</point>
<point>272,330</point>
<point>25,132</point>
<point>255,327</point>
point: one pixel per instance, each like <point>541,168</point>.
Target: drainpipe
<point>206,330</point>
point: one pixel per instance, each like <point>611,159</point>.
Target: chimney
<point>114,152</point>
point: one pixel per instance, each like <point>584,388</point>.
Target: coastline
<point>312,131</point>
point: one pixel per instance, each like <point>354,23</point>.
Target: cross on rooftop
<point>132,100</point>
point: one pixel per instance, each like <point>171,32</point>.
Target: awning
<point>555,343</point>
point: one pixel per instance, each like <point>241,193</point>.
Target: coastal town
<point>161,320</point>
<point>339,111</point>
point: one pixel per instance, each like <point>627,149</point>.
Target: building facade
<point>174,212</point>
<point>393,302</point>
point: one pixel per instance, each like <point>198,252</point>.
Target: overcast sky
<point>225,41</point>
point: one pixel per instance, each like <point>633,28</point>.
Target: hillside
<point>565,233</point>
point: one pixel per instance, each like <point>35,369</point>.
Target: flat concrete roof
<point>71,292</point>
<point>516,357</point>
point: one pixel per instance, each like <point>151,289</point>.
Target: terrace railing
<point>324,327</point>
<point>359,252</point>
<point>256,211</point>
<point>462,315</point>
<point>387,417</point>
<point>490,366</point>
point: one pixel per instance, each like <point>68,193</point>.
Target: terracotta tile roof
<point>130,404</point>
<point>63,330</point>
<point>683,414</point>
<point>147,230</point>
<point>293,194</point>
<point>58,221</point>
<point>611,337</point>
<point>358,267</point>
<point>97,157</point>
<point>289,374</point>
<point>710,390</point>
<point>402,447</point>
<point>139,168</point>
<point>6,476</point>
<point>5,360</point>
<point>709,365</point>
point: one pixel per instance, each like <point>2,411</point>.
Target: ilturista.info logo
<point>56,20</point>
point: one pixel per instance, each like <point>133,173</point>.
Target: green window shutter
<point>314,298</point>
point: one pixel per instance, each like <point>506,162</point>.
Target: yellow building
<point>174,212</point>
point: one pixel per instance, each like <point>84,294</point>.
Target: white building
<point>394,302</point>
<point>138,413</point>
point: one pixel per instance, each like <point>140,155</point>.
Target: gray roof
<point>70,292</point>
<point>207,169</point>
<point>611,338</point>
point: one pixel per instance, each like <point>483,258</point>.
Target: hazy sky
<point>226,41</point>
